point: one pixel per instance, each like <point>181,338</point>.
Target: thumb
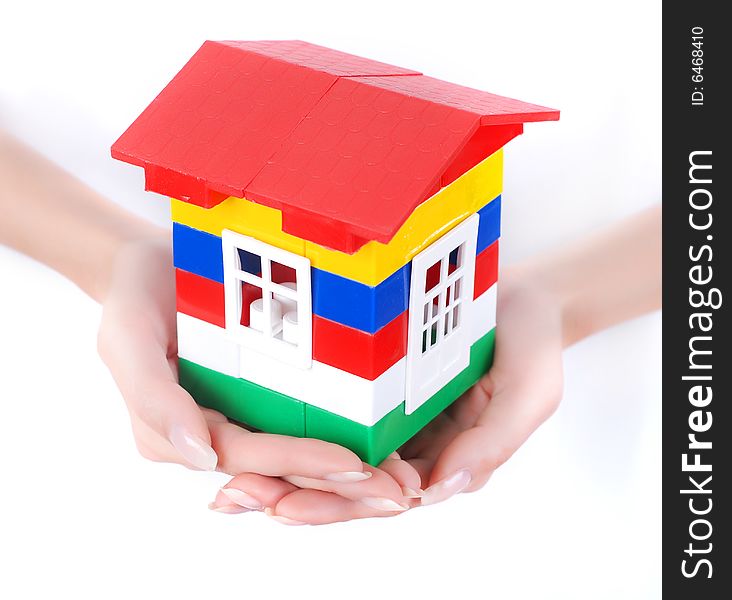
<point>509,418</point>
<point>170,411</point>
<point>139,363</point>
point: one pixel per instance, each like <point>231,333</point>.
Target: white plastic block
<point>484,313</point>
<point>322,385</point>
<point>257,319</point>
<point>288,304</point>
<point>290,330</point>
<point>207,345</point>
<point>439,340</point>
<point>326,387</point>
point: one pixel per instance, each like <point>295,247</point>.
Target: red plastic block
<point>486,269</point>
<point>200,297</point>
<point>363,354</point>
<point>180,186</point>
<point>484,142</point>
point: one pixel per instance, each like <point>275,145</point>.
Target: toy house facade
<point>335,236</point>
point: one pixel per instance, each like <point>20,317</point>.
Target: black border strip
<point>697,562</point>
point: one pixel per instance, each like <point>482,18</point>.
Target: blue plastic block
<point>489,226</point>
<point>198,252</point>
<point>337,298</point>
<point>358,305</point>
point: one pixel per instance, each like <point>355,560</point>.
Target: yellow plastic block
<point>375,261</point>
<point>241,216</point>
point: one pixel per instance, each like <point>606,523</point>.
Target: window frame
<point>430,369</point>
<point>264,341</point>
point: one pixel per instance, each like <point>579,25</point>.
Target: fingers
<point>510,417</point>
<point>289,504</point>
<point>241,451</point>
<point>137,357</point>
<point>251,492</point>
<point>404,474</point>
<point>315,507</point>
<point>423,467</point>
<point>380,491</point>
<point>522,389</point>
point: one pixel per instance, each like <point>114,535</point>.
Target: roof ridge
<point>287,137</point>
<point>260,47</point>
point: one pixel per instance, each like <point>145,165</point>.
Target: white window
<point>267,299</point>
<point>440,312</point>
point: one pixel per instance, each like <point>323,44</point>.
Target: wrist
<point>550,288</point>
<point>118,242</point>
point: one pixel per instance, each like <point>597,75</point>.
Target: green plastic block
<point>243,401</point>
<point>373,444</point>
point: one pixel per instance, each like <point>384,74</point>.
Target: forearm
<point>606,278</point>
<point>49,215</point>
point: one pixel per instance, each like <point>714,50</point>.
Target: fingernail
<point>191,447</point>
<point>242,498</point>
<point>394,456</point>
<point>442,490</point>
<point>348,476</point>
<point>386,504</point>
<point>280,519</point>
<point>228,509</point>
<point>408,492</point>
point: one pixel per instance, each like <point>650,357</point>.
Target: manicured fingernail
<point>348,476</point>
<point>228,509</point>
<point>242,498</point>
<point>191,447</point>
<point>280,519</point>
<point>386,504</point>
<point>408,492</point>
<point>442,490</point>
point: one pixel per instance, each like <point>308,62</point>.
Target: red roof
<point>345,146</point>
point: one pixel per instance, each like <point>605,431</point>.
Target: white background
<point>575,514</point>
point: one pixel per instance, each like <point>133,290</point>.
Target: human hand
<point>461,448</point>
<point>137,341</point>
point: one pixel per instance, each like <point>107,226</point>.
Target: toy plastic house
<point>335,236</point>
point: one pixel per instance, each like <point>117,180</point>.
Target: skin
<point>544,305</point>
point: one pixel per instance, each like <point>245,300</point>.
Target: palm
<point>491,420</point>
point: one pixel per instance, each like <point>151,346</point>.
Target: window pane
<point>457,257</point>
<point>454,256</point>
<point>283,274</point>
<point>433,333</point>
<point>433,277</point>
<point>458,285</point>
<point>251,263</point>
<point>249,293</point>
